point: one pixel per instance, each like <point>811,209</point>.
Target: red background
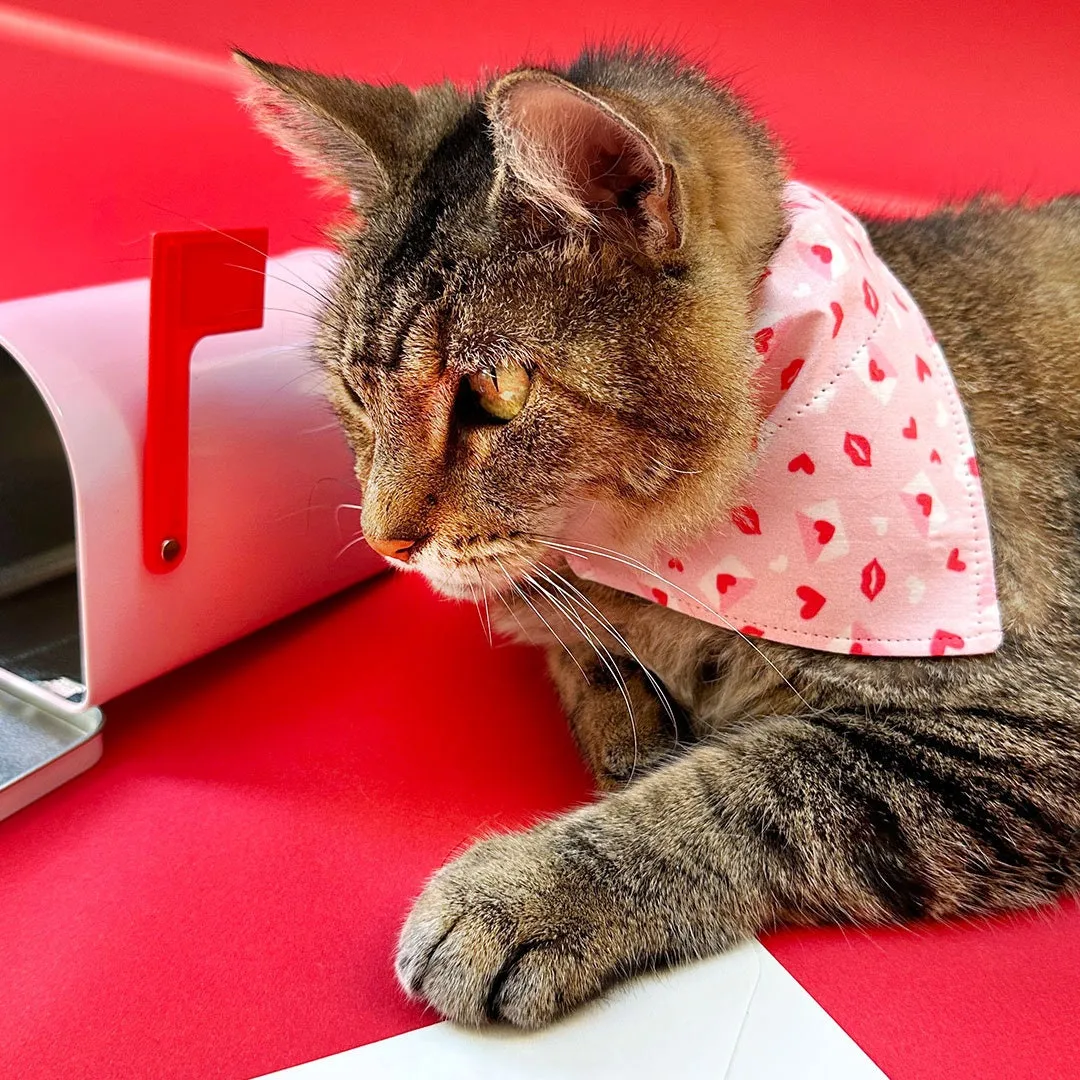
<point>220,896</point>
<point>914,99</point>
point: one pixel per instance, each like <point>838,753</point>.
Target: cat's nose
<point>393,549</point>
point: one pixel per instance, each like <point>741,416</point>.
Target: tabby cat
<point>541,324</point>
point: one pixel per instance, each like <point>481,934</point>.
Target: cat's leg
<point>622,725</point>
<point>867,817</point>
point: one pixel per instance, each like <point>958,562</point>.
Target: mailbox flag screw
<point>170,550</point>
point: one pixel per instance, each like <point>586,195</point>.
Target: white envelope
<point>739,1016</point>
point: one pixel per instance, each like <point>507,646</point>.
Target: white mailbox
<point>157,503</point>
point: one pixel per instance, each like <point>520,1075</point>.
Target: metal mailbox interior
<point>40,745</point>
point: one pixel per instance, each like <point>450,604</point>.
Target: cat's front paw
<point>518,929</point>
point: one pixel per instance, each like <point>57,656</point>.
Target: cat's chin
<point>477,578</point>
<point>461,584</point>
<point>450,586</point>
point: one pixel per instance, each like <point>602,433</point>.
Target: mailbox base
<point>40,749</point>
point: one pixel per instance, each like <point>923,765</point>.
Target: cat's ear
<point>347,134</point>
<point>578,155</point>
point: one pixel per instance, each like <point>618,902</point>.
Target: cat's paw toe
<point>506,933</point>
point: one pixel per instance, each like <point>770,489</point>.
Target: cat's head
<point>540,327</point>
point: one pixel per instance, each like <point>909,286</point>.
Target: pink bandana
<point>862,528</point>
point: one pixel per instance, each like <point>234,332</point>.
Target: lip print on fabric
<point>862,528</point>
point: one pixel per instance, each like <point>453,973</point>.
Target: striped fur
<point>775,785</point>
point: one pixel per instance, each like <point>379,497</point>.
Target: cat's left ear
<point>575,153</point>
<point>349,135</point>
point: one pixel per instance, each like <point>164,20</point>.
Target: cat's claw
<point>512,931</point>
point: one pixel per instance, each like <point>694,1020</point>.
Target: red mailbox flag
<point>201,283</point>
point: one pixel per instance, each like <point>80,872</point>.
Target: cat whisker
<point>487,610</point>
<point>603,655</point>
<point>476,602</point>
<point>337,512</point>
<point>306,373</point>
<point>352,543</point>
<point>672,469</point>
<point>605,553</point>
<point>509,607</point>
<point>514,585</point>
<point>576,596</point>
<point>251,247</point>
<point>292,311</point>
<point>302,286</point>
<point>307,286</point>
<point>485,620</point>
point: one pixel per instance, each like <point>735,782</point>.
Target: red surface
<point>220,896</point>
<point>918,99</point>
<point>996,998</point>
<point>96,157</point>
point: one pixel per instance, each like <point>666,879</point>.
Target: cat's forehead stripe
<point>413,275</point>
<point>458,171</point>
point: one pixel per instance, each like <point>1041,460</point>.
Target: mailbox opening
<point>39,597</point>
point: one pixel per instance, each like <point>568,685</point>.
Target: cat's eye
<point>500,392</point>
